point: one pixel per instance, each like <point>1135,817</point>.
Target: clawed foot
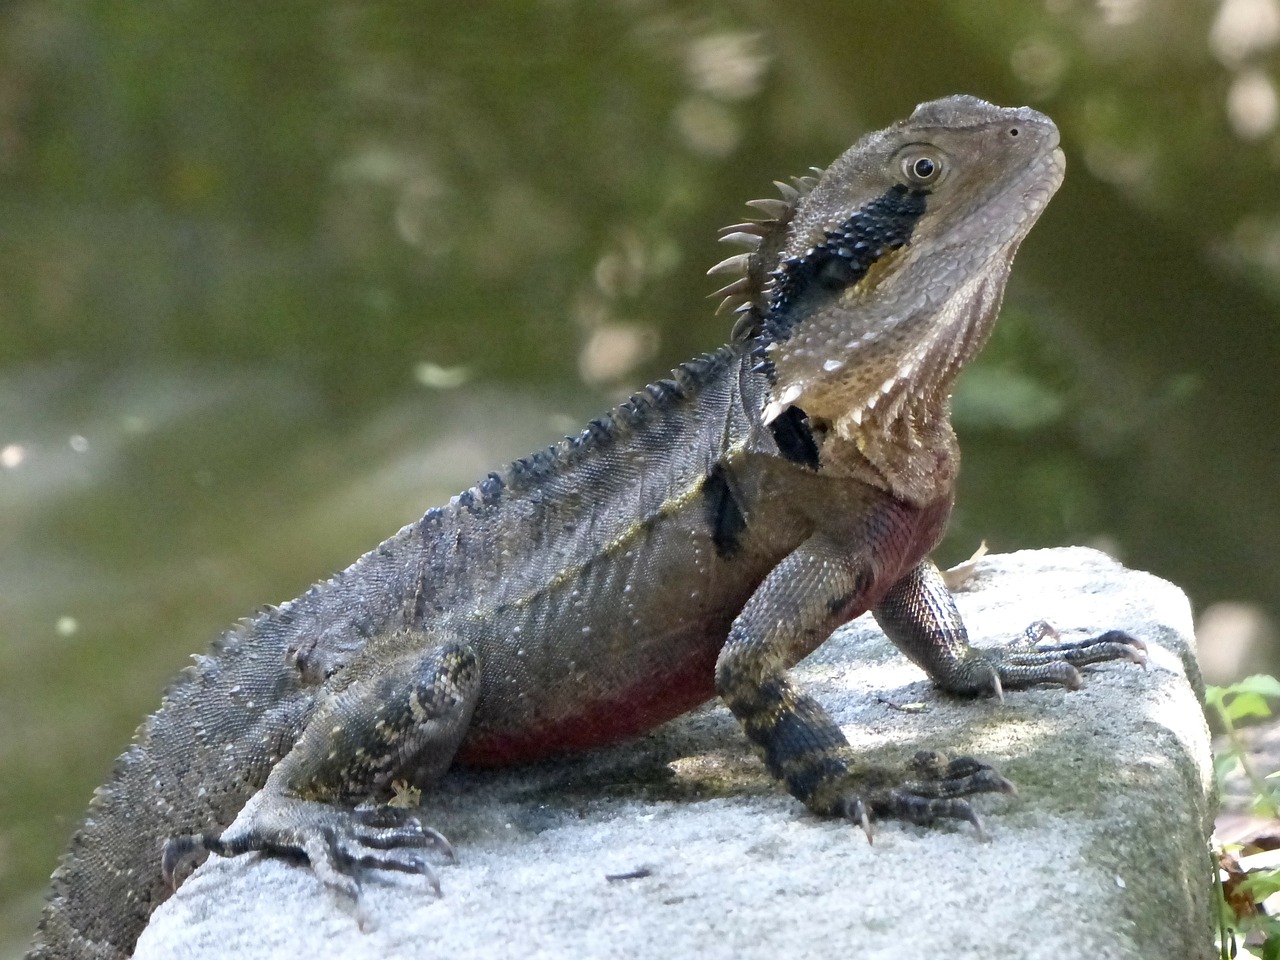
<point>1029,661</point>
<point>340,844</point>
<point>934,789</point>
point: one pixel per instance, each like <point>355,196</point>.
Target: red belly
<point>609,718</point>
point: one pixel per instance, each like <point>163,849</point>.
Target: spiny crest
<point>748,294</point>
<point>624,420</point>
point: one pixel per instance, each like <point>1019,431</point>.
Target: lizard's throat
<point>881,358</point>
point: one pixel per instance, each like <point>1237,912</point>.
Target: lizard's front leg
<point>398,711</point>
<point>919,615</point>
<point>803,599</point>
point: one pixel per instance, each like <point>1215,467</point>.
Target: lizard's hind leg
<point>397,712</point>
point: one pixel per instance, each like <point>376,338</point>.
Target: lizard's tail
<point>101,896</point>
<point>170,782</point>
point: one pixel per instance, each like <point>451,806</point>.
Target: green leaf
<point>1261,884</point>
<point>1259,683</point>
<point>1247,705</point>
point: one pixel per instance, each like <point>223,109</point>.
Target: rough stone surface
<point>1101,855</point>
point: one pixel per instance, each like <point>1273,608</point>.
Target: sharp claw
<point>1135,649</point>
<point>855,811</point>
<point>364,922</point>
<point>983,836</point>
<point>985,780</point>
<point>441,841</point>
<point>997,687</point>
<point>962,811</point>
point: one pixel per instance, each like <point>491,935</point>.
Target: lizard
<point>697,541</point>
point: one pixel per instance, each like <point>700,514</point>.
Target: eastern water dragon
<point>697,541</point>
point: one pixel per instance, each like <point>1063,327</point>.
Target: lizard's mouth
<point>1014,209</point>
<point>1042,180</point>
<point>1044,177</point>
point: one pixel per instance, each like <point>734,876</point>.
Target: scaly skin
<point>699,540</point>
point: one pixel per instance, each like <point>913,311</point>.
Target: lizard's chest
<point>917,459</point>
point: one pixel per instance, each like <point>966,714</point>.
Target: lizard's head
<point>894,263</point>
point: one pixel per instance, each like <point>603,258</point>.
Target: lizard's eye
<point>922,168</point>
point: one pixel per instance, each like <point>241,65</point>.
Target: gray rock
<point>680,844</point>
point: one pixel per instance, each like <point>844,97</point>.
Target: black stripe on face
<point>841,259</point>
<point>723,512</point>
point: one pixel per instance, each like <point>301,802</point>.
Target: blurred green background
<point>277,277</point>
